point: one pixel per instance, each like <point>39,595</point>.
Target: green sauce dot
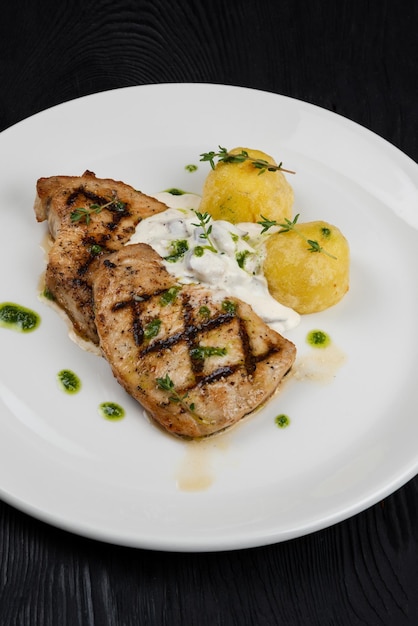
<point>175,192</point>
<point>69,381</point>
<point>111,411</point>
<point>17,317</point>
<point>282,421</point>
<point>318,339</point>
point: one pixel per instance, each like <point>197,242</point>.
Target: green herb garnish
<point>178,248</point>
<point>204,311</point>
<point>204,219</point>
<point>152,329</point>
<point>169,296</point>
<point>241,256</point>
<point>166,384</point>
<point>95,249</point>
<point>290,225</point>
<point>224,156</point>
<point>83,213</point>
<point>229,307</point>
<point>203,352</point>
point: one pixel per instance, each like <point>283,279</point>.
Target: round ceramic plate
<point>352,408</point>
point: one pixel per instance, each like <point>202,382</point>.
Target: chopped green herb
<point>95,249</point>
<point>228,306</point>
<point>152,329</point>
<point>178,248</point>
<point>191,167</point>
<point>169,296</point>
<point>204,311</point>
<point>203,352</point>
<point>241,256</point>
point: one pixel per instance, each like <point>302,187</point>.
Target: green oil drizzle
<point>47,293</point>
<point>282,421</point>
<point>175,192</point>
<point>111,411</point>
<point>318,339</point>
<point>191,167</point>
<point>69,382</point>
<point>17,317</point>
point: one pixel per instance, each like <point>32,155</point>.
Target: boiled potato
<point>237,192</point>
<point>307,281</point>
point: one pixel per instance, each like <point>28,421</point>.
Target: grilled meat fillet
<point>87,217</point>
<point>196,361</point>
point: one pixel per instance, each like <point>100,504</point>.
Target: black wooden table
<point>358,58</point>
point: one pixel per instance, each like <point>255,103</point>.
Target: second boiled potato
<point>305,280</point>
<point>238,192</point>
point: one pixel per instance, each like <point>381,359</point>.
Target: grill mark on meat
<point>189,335</point>
<point>75,255</point>
<point>137,327</point>
<point>89,195</point>
<point>213,387</point>
<point>89,242</point>
<point>117,213</point>
<point>191,331</point>
<point>218,374</point>
<point>249,358</point>
<point>163,344</point>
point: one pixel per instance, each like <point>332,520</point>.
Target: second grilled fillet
<point>197,361</point>
<point>87,218</point>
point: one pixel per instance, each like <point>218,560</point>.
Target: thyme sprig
<point>166,384</point>
<point>290,225</point>
<point>204,219</point>
<point>224,156</point>
<point>85,213</point>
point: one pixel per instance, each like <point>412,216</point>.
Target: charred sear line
<point>95,247</point>
<point>163,344</point>
<point>215,322</point>
<point>249,358</point>
<point>93,198</point>
<point>190,334</point>
<point>85,193</point>
<point>218,374</point>
<point>137,330</point>
<point>121,305</point>
<point>266,355</point>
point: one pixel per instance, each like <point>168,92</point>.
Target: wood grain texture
<point>357,58</point>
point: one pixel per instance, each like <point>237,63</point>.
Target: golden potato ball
<point>238,192</point>
<point>307,281</point>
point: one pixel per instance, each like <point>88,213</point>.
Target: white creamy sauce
<point>225,257</point>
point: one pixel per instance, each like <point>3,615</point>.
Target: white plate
<point>351,441</point>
